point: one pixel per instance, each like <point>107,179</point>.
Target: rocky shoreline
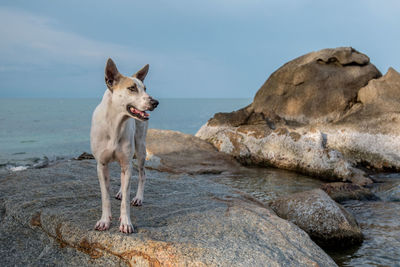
<point>185,220</point>
<point>54,209</point>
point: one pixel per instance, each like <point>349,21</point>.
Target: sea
<point>36,132</point>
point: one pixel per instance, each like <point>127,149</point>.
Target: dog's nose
<point>154,103</point>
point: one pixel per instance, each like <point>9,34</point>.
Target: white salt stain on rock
<point>302,150</point>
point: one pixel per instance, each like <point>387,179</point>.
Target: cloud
<point>212,48</point>
<point>36,48</point>
<point>28,40</point>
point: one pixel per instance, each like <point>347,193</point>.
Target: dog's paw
<point>118,195</point>
<point>126,228</point>
<point>102,225</point>
<point>137,201</point>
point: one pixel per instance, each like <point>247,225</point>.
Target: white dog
<point>114,136</point>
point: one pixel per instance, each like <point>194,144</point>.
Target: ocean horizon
<point>35,131</point>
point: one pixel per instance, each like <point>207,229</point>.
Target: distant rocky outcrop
<point>326,221</point>
<point>322,114</point>
<point>47,217</point>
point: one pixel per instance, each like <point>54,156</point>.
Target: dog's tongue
<point>142,113</point>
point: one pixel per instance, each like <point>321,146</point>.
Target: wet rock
<point>393,194</point>
<point>389,190</point>
<point>84,156</point>
<point>326,221</point>
<point>49,215</point>
<point>347,191</point>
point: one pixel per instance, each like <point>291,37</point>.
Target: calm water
<point>379,220</point>
<point>33,131</point>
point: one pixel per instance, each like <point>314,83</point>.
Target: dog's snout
<point>154,103</point>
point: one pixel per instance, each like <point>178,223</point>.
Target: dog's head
<point>129,93</point>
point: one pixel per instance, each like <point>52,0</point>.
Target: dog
<point>118,131</point>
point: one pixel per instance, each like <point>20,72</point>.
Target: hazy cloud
<point>209,48</point>
<point>34,40</point>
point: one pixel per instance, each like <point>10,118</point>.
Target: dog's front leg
<point>126,173</point>
<point>104,179</point>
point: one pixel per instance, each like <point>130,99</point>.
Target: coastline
<point>254,190</point>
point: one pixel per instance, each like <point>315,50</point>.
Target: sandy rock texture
<point>47,217</point>
<point>322,114</point>
<point>326,221</point>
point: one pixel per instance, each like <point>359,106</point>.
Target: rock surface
<point>370,132</point>
<point>317,87</point>
<point>327,222</point>
<point>301,149</point>
<point>321,114</point>
<point>381,95</point>
<point>177,152</point>
<point>347,191</point>
<point>47,217</point>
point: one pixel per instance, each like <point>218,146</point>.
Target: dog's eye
<point>145,88</point>
<point>133,88</point>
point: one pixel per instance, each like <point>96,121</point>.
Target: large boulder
<point>322,114</point>
<point>47,217</point>
<point>317,87</point>
<point>326,221</point>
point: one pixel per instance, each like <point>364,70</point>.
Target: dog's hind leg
<point>140,151</point>
<point>104,179</point>
<point>125,218</point>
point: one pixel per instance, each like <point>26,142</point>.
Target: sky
<point>196,49</point>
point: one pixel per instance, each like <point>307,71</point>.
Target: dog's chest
<point>110,145</point>
<point>116,150</point>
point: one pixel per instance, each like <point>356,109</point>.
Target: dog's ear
<point>141,74</point>
<point>111,74</point>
